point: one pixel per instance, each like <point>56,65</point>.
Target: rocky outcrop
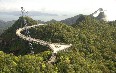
<point>102,16</point>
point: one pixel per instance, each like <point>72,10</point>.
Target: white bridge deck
<point>54,46</point>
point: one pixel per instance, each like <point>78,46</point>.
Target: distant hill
<point>93,48</point>
<point>5,25</point>
<point>68,21</point>
<point>71,20</point>
<point>51,21</point>
<point>11,41</point>
<point>79,18</point>
<point>2,23</point>
<point>41,22</point>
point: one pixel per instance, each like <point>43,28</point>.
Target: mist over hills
<point>93,46</point>
<point>46,16</point>
<point>32,13</point>
<point>5,25</point>
<point>13,15</point>
<point>72,20</point>
<point>93,49</point>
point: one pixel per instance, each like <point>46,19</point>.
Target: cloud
<point>64,15</point>
<point>14,13</point>
<point>32,13</point>
<point>37,13</point>
<point>54,7</point>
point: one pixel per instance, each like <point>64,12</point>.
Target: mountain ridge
<point>93,47</point>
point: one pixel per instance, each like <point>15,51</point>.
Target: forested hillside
<point>93,50</point>
<point>5,25</point>
<point>71,20</point>
<point>13,44</point>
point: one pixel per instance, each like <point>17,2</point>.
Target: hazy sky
<point>60,7</point>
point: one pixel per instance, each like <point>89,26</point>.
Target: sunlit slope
<point>93,48</point>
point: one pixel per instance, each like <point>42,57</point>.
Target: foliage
<point>10,42</point>
<point>93,50</point>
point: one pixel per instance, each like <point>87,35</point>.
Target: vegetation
<point>93,50</point>
<point>72,20</point>
<point>13,44</point>
<point>5,25</point>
